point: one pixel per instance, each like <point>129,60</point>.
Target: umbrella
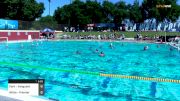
<point>47,30</point>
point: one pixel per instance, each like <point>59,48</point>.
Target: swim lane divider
<point>93,73</point>
<point>140,78</point>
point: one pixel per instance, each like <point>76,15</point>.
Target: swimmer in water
<point>146,48</point>
<point>32,44</point>
<point>122,44</point>
<point>111,45</point>
<point>97,50</point>
<point>171,49</point>
<point>158,46</point>
<point>78,52</point>
<point>101,54</point>
<point>90,48</point>
<point>109,60</point>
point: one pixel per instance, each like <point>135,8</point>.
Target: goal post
<point>4,38</point>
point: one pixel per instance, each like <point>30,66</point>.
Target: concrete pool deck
<point>5,96</point>
<point>97,40</point>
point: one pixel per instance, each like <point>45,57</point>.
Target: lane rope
<point>93,73</point>
<point>139,78</point>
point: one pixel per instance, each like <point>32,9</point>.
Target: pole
<point>78,28</point>
<point>49,6</point>
<point>165,37</point>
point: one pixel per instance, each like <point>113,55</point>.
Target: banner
<point>8,24</point>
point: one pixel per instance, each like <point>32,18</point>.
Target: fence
<point>34,25</point>
<point>127,25</point>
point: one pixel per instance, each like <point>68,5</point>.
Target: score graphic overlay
<point>33,87</point>
<point>163,6</point>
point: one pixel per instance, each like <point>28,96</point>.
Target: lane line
<point>139,78</point>
<point>93,73</point>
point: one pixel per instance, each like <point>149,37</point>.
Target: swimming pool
<point>125,58</point>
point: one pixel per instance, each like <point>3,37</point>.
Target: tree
<point>43,22</point>
<point>95,12</point>
<point>150,10</point>
<point>135,12</point>
<point>3,9</point>
<point>174,12</point>
<point>77,13</point>
<point>121,12</point>
<point>162,13</point>
<point>62,15</point>
<point>72,14</point>
<point>80,13</point>
<point>108,9</point>
<point>27,10</point>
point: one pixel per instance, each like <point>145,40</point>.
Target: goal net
<point>4,40</point>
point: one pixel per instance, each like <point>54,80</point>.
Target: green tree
<point>135,12</point>
<point>151,11</point>
<point>27,10</point>
<point>108,9</point>
<point>72,14</point>
<point>3,9</point>
<point>62,15</point>
<point>121,12</point>
<point>80,13</point>
<point>43,22</point>
<point>77,13</point>
<point>94,11</point>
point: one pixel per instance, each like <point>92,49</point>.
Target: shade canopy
<point>47,30</point>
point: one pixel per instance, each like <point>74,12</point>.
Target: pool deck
<point>5,96</point>
<point>98,40</point>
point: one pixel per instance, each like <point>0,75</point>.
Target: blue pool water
<point>125,58</point>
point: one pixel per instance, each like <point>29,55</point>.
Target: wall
<point>20,34</point>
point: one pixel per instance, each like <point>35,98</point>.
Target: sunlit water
<point>124,58</point>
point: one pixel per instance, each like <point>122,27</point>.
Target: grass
<point>127,34</point>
